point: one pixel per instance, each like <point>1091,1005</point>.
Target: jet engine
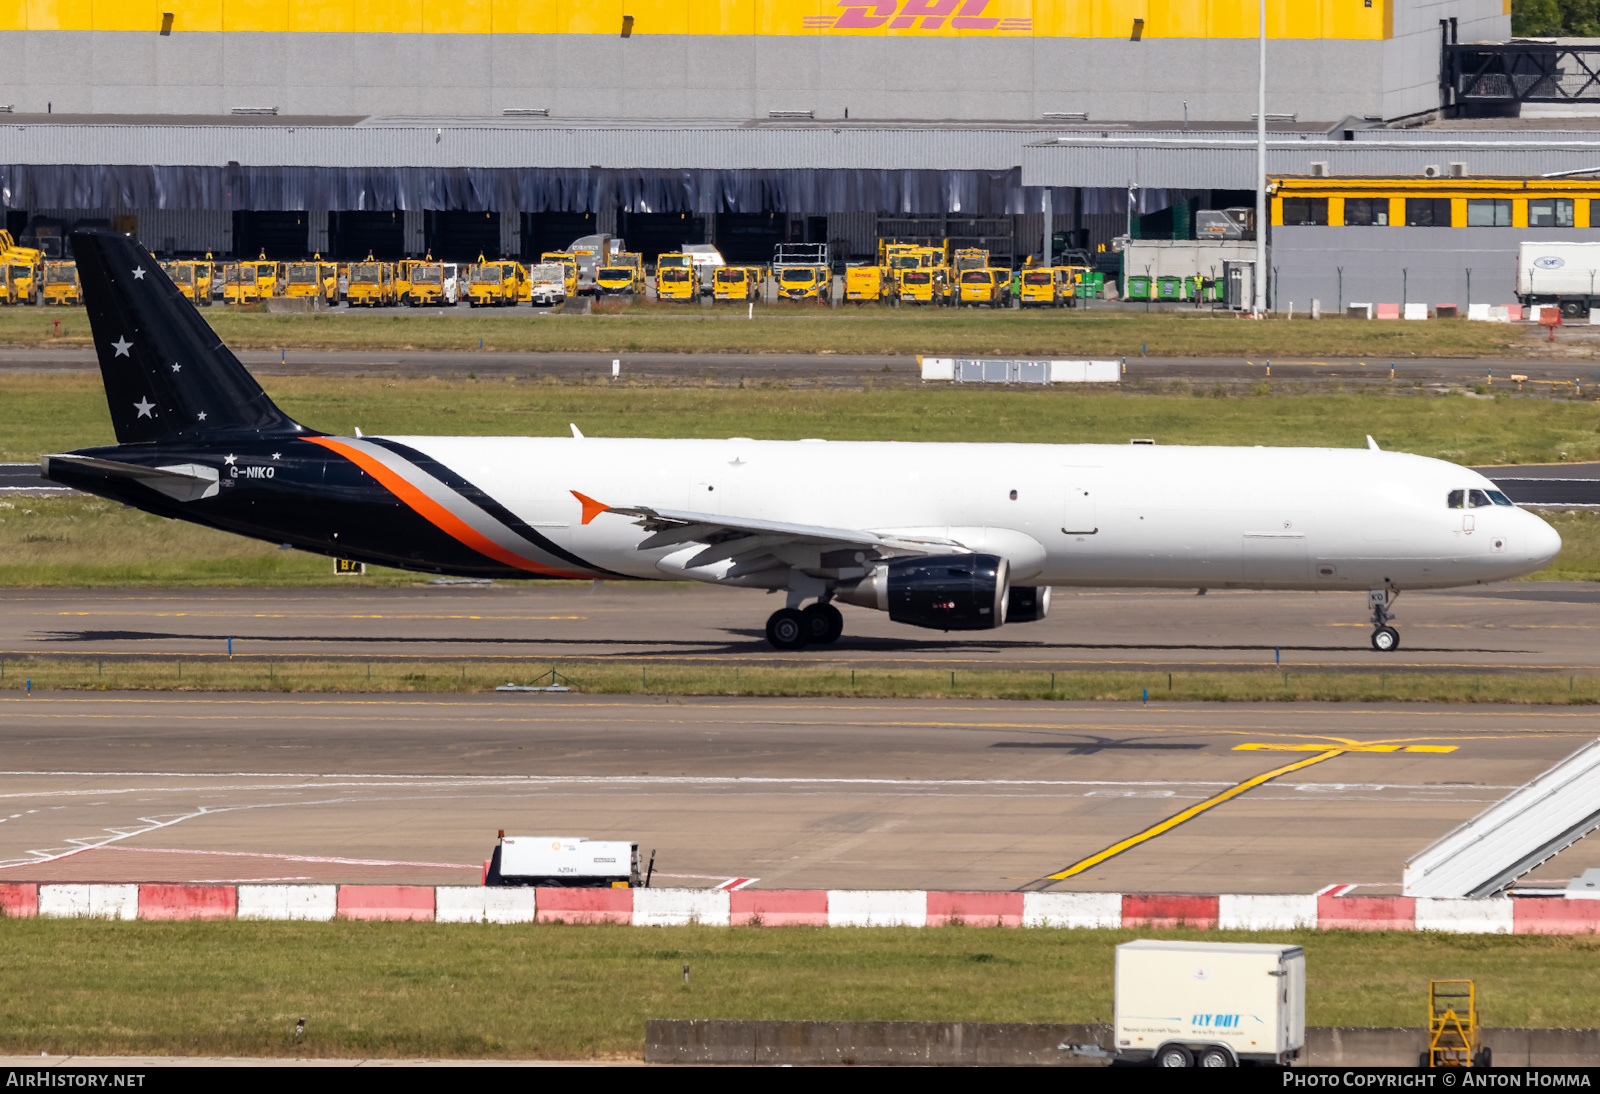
<point>1027,603</point>
<point>942,592</point>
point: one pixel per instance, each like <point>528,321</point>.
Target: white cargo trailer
<point>570,862</point>
<point>1564,274</point>
<point>1210,1004</point>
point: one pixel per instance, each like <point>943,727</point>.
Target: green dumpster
<point>1138,287</point>
<point>1169,287</point>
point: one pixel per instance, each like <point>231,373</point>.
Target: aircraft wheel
<point>825,624</point>
<point>788,629</point>
<point>1385,639</point>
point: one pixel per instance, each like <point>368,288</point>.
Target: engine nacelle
<point>1027,603</point>
<point>942,592</point>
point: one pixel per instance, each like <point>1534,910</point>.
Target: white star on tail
<point>229,459</point>
<point>177,367</point>
<point>144,407</point>
<point>202,415</point>
<point>122,346</point>
<point>138,273</point>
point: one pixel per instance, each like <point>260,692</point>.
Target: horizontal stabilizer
<point>181,482</point>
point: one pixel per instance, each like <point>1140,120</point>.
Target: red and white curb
<point>803,907</point>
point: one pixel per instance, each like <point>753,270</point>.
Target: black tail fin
<point>168,376</point>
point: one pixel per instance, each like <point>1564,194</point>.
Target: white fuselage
<point>1114,515</point>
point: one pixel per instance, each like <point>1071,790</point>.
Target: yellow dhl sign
<point>1338,19</point>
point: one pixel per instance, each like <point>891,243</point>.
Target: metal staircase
<point>1485,855</point>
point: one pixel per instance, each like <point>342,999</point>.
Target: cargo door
<point>1274,558</point>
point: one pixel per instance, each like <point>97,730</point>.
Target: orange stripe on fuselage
<point>436,514</point>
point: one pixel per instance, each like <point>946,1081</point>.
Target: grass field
<point>649,677</point>
<point>555,992</point>
<point>54,413</point>
<point>789,328</point>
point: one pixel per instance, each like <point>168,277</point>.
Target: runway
<point>792,793</point>
<point>1507,627</point>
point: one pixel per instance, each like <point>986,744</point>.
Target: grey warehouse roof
<point>507,143</point>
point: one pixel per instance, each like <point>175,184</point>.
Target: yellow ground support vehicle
<point>27,268</point>
<point>863,284</point>
<point>568,260</point>
<point>989,286</point>
<point>736,283</point>
<point>315,279</point>
<point>239,284</point>
<point>1045,287</point>
<point>193,280</point>
<point>971,258</point>
<point>676,277</point>
<point>497,285</point>
<point>424,284</point>
<point>922,285</point>
<point>61,284</point>
<point>805,283</point>
<point>371,285</point>
<point>619,280</point>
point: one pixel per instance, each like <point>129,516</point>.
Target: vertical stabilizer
<point>168,376</point>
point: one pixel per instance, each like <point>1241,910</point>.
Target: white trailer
<point>570,862</point>
<point>1210,1004</point>
<point>1564,274</point>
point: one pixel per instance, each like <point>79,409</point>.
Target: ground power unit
<point>1210,1004</point>
<point>564,862</point>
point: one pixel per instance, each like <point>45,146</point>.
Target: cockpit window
<point>1457,499</point>
<point>1500,499</point>
<point>1477,499</point>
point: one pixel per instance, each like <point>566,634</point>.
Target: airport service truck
<point>1564,274</point>
<point>1209,1004</point>
<point>564,862</point>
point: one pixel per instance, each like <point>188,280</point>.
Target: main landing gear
<point>795,629</point>
<point>1385,639</point>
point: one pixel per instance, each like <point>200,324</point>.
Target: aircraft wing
<point>754,544</point>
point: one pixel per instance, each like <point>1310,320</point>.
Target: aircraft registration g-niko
<point>945,536</point>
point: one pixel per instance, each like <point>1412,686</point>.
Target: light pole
<point>1259,305</point>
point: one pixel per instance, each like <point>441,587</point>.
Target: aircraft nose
<point>1544,542</point>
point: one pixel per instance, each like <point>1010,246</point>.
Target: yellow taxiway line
<point>1189,814</point>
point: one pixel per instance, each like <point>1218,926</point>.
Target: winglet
<point>591,508</point>
<point>1372,444</point>
<point>576,435</point>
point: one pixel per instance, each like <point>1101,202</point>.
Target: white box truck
<point>1564,274</point>
<point>1210,1004</point>
<point>564,862</point>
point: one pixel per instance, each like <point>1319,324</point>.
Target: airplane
<point>951,537</point>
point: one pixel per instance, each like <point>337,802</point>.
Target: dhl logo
<point>943,15</point>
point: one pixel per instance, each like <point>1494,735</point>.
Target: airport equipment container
<point>1169,288</point>
<point>1210,1004</point>
<point>1560,273</point>
<point>564,862</point>
<point>1139,287</point>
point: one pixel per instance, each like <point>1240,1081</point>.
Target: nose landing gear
<point>791,629</point>
<point>1385,639</point>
